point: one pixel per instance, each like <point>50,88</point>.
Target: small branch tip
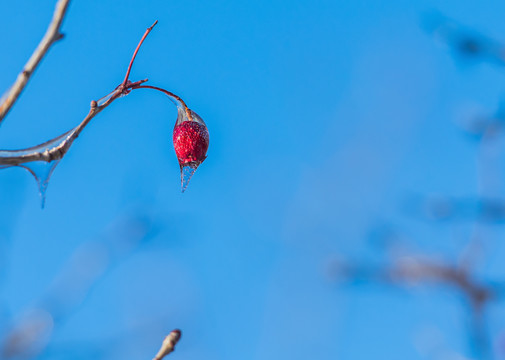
<point>93,104</point>
<point>168,344</point>
<point>127,76</point>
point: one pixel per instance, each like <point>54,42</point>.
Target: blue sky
<point>325,117</point>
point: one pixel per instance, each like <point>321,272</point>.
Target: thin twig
<point>136,51</point>
<point>52,35</point>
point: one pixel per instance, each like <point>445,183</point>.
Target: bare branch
<point>56,148</point>
<point>410,270</point>
<point>415,269</point>
<point>168,344</point>
<point>52,35</point>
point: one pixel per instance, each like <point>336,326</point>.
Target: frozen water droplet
<point>187,172</point>
<point>42,172</point>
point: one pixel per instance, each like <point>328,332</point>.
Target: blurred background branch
<point>53,34</point>
<point>407,269</point>
<point>28,336</point>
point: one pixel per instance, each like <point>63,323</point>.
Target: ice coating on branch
<point>191,141</point>
<point>16,157</point>
<point>40,160</point>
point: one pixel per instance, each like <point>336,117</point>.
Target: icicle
<point>42,172</point>
<point>187,172</point>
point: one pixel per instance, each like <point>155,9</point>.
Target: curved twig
<point>56,148</point>
<point>52,35</point>
<point>127,76</point>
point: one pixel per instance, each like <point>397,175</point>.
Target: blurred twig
<point>31,334</point>
<point>412,270</point>
<point>168,344</point>
<point>465,42</point>
<point>52,35</point>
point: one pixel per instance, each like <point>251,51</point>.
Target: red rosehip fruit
<point>191,141</point>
